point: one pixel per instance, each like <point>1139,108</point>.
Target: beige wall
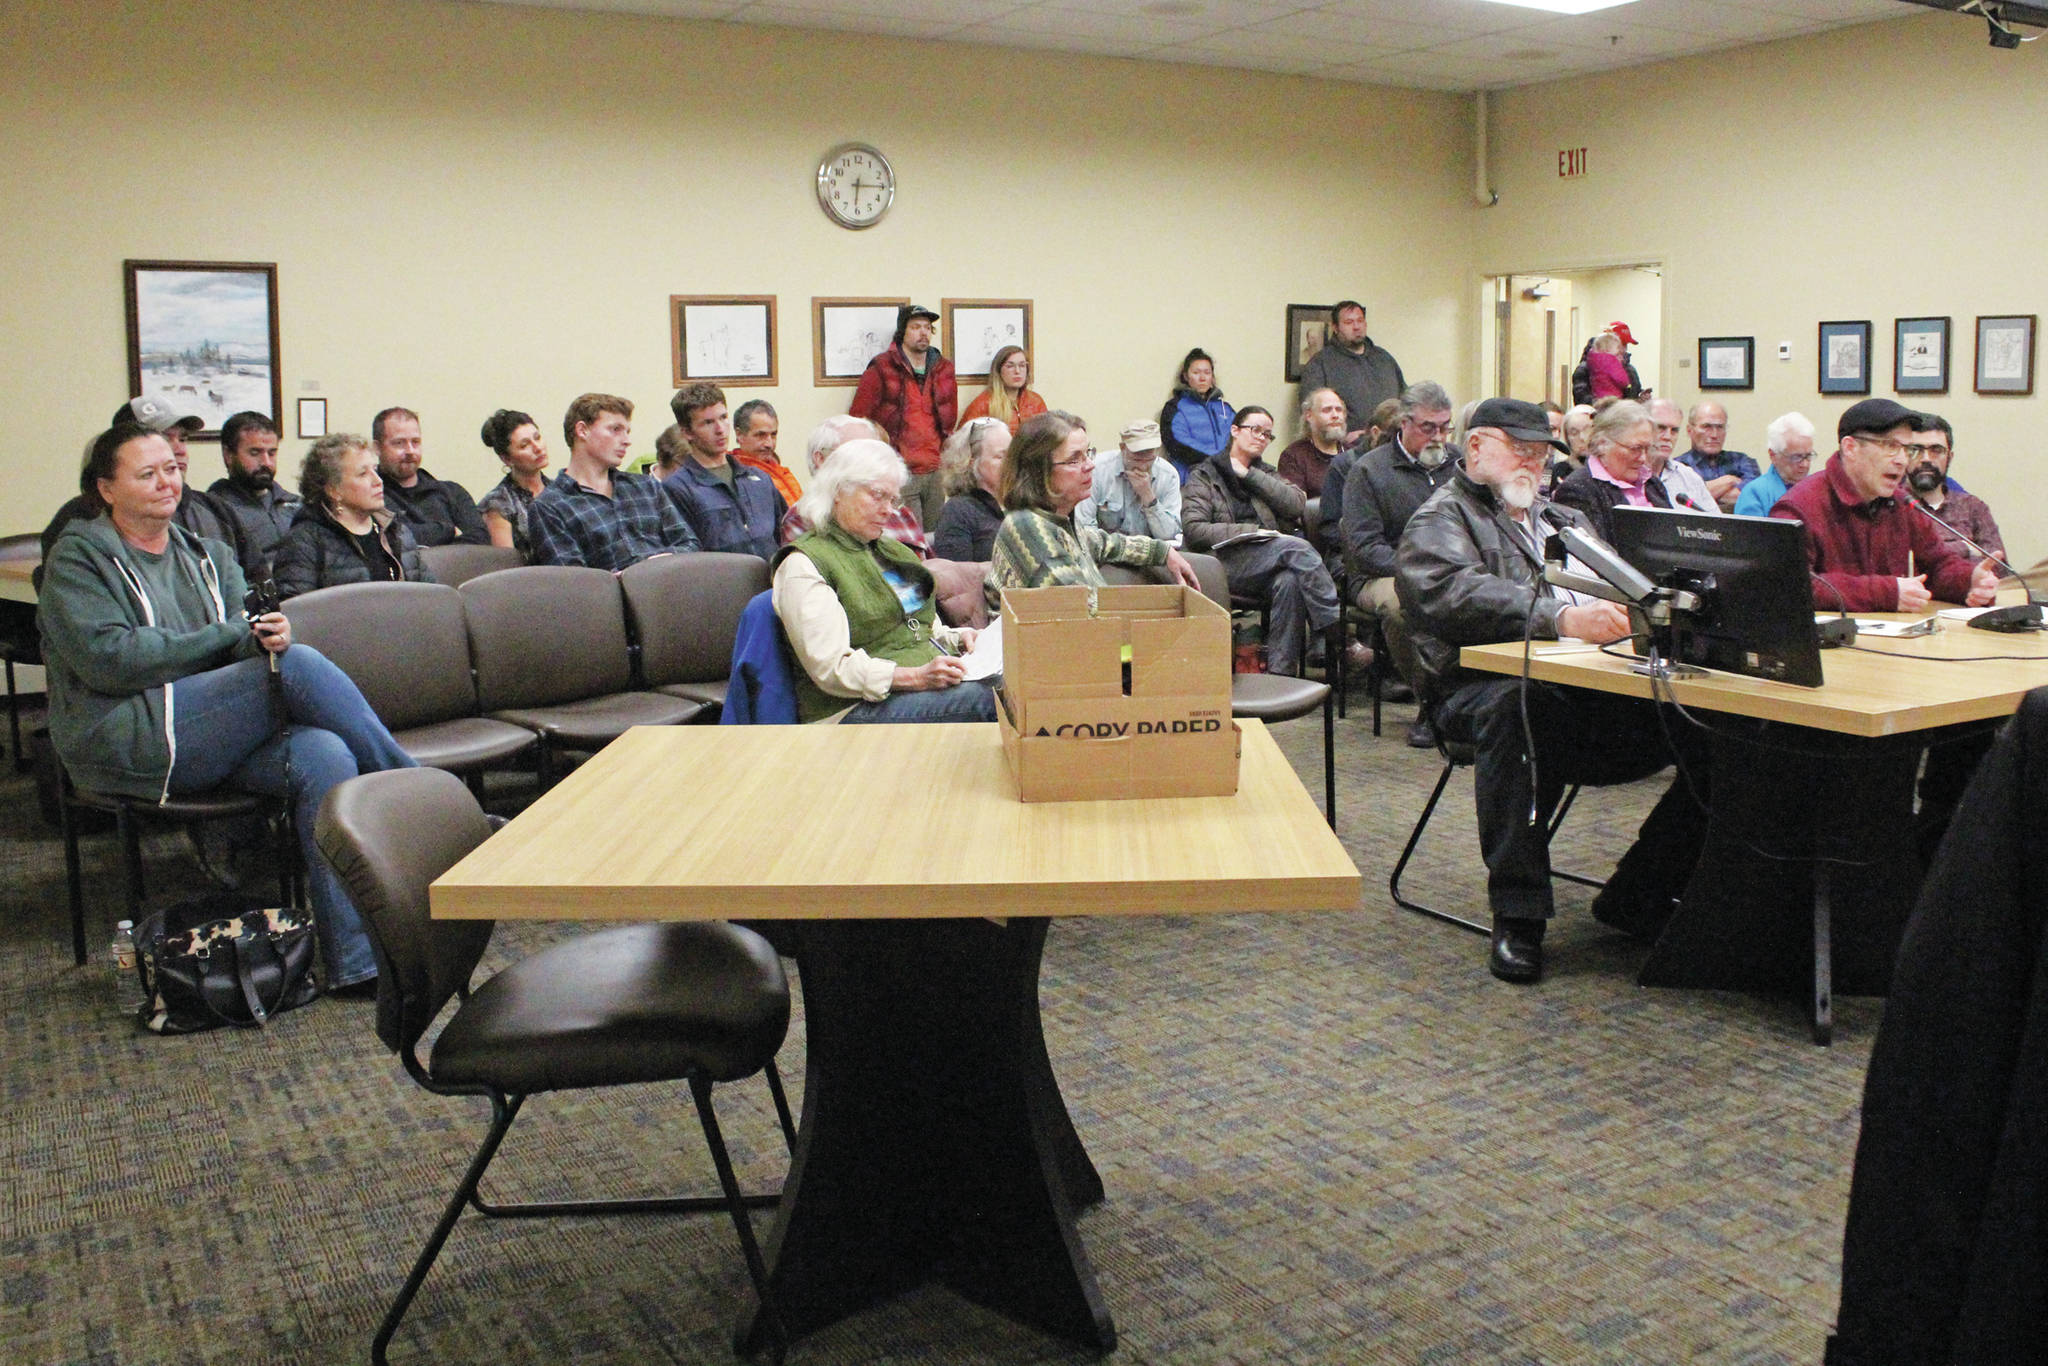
<point>1624,294</point>
<point>475,205</point>
<point>1886,171</point>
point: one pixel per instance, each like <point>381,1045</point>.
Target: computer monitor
<point>1756,612</point>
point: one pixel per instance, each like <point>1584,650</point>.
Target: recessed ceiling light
<point>1563,6</point>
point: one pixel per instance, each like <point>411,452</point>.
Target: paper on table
<point>985,660</point>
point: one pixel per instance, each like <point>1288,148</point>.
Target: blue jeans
<point>974,701</point>
<point>225,728</point>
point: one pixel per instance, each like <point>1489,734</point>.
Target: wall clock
<point>856,185</point>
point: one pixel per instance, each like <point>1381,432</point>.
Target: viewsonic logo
<point>1693,533</point>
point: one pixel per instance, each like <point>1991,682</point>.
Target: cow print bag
<point>223,960</point>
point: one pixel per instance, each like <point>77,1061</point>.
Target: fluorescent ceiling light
<point>1564,6</point>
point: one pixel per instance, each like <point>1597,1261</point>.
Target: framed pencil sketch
<point>1845,358</point>
<point>848,333</point>
<point>722,338</point>
<point>312,418</point>
<point>2005,354</point>
<point>1920,355</point>
<point>975,329</point>
<point>202,336</point>
<point>1727,362</point>
<point>1308,328</point>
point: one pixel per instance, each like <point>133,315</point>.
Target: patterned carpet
<point>1326,1138</point>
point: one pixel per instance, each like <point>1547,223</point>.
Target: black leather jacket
<point>1468,575</point>
<point>320,554</point>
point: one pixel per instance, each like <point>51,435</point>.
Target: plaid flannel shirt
<point>569,524</point>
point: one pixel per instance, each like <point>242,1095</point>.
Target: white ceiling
<point>1423,44</point>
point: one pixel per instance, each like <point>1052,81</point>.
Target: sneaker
<point>1358,656</point>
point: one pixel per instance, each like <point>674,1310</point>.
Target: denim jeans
<point>974,701</point>
<point>225,728</point>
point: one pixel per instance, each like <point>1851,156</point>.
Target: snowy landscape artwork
<point>204,337</point>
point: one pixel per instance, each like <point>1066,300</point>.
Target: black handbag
<point>223,960</point>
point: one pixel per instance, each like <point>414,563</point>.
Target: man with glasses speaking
<point>1868,549</point>
<point>1470,572</point>
<point>1238,508</point>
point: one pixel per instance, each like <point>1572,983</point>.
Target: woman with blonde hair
<point>1009,398</point>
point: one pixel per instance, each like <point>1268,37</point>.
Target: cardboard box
<point>1071,730</point>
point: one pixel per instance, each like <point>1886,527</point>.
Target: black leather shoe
<point>1420,735</point>
<point>1517,950</point>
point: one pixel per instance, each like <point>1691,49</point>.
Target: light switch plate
<point>1784,350</point>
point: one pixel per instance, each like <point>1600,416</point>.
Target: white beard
<point>1519,492</point>
<point>1432,455</point>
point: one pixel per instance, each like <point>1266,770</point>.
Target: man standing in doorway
<point>1363,374</point>
<point>908,391</point>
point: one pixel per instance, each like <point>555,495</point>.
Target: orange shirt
<point>785,481</point>
<point>1029,405</point>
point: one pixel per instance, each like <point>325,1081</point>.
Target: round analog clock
<point>856,185</point>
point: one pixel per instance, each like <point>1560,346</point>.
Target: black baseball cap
<point>909,311</point>
<point>1875,415</point>
<point>1513,417</point>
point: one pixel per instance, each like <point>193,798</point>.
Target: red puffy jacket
<point>916,411</point>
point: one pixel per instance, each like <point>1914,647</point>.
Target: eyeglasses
<point>1641,450</point>
<point>1076,462</point>
<point>1429,428</point>
<point>1879,443</point>
<point>888,498</point>
<point>1925,452</point>
<point>1262,433</point>
<point>1711,426</point>
<point>1528,452</point>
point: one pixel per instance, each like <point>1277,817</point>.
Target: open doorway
<point>1535,326</point>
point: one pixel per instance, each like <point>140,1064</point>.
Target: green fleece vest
<point>874,614</point>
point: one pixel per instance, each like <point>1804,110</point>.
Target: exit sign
<point>1571,163</point>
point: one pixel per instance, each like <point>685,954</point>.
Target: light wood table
<point>934,1143</point>
<point>16,581</point>
<point>1813,809</point>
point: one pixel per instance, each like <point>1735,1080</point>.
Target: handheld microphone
<point>2025,616</point>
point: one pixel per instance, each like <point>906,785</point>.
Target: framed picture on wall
<point>975,329</point>
<point>722,338</point>
<point>1845,358</point>
<point>2005,354</point>
<point>312,418</point>
<point>848,333</point>
<point>1727,362</point>
<point>1920,355</point>
<point>202,335</point>
<point>1308,328</point>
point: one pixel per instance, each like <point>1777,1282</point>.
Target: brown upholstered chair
<point>958,586</point>
<point>406,647</point>
<point>685,611</point>
<point>457,564</point>
<point>1259,697</point>
<point>701,1002</point>
<point>549,646</point>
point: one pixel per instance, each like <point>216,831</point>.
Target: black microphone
<point>2026,616</point>
<point>1928,513</point>
<point>1840,631</point>
<point>1688,502</point>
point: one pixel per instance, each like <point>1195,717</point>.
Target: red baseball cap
<point>1621,330</point>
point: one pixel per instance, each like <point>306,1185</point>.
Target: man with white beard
<point>1470,572</point>
<point>1381,493</point>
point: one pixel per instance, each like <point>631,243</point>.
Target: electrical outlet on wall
<point>1784,350</point>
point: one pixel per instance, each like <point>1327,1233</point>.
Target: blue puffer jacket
<point>741,520</point>
<point>1193,429</point>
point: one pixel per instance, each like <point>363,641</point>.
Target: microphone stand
<point>2027,616</point>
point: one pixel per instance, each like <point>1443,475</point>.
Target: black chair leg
<point>74,883</point>
<point>774,1075</point>
<point>131,850</point>
<point>1330,757</point>
<point>1408,852</point>
<point>1563,809</point>
<point>14,722</point>
<point>757,1268</point>
<point>503,1111</point>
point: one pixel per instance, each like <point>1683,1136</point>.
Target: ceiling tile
<point>1445,16</point>
<point>1135,28</point>
<point>1381,35</point>
<point>845,21</point>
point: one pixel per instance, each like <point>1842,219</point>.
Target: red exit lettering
<point>1571,163</point>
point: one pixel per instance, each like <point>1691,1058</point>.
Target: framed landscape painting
<point>202,336</point>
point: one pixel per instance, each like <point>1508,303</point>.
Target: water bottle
<point>127,982</point>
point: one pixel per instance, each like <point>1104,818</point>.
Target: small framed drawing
<point>848,333</point>
<point>2005,354</point>
<point>722,338</point>
<point>1845,358</point>
<point>1727,362</point>
<point>312,418</point>
<point>1920,355</point>
<point>202,335</point>
<point>1308,328</point>
<point>978,328</point>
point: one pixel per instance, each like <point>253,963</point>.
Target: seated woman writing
<point>158,684</point>
<point>858,607</point>
<point>1049,472</point>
